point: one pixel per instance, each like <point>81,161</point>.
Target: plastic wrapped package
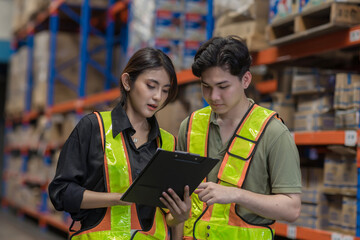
<point>171,5</point>
<point>141,27</point>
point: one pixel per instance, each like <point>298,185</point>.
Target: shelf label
<point>350,138</point>
<point>336,236</point>
<point>291,232</point>
<point>355,36</point>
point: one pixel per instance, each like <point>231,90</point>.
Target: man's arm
<point>284,207</point>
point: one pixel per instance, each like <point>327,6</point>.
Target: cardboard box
<point>240,10</point>
<point>251,31</point>
<point>70,47</point>
<point>349,215</point>
<point>315,103</point>
<point>284,106</point>
<point>333,173</point>
<point>335,212</point>
<point>315,210</point>
<point>17,83</point>
<point>314,196</point>
<point>347,91</point>
<point>349,176</point>
<point>347,119</point>
<point>311,222</point>
<point>314,122</point>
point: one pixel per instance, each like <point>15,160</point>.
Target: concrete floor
<point>16,228</point>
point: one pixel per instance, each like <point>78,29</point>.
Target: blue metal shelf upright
<point>85,54</point>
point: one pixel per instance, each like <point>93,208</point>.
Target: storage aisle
<point>18,228</point>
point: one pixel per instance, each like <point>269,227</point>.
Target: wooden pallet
<point>318,20</point>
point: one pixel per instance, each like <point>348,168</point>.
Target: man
<point>258,179</point>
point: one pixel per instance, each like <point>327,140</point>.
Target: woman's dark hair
<point>147,59</point>
<point>230,53</point>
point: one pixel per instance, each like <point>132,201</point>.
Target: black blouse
<point>81,166</point>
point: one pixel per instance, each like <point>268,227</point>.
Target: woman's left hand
<point>179,209</point>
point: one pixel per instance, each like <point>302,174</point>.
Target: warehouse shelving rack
<point>278,54</point>
<point>25,37</point>
<point>295,50</point>
<point>51,16</point>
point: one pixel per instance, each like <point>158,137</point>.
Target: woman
<point>107,150</point>
<point>258,180</point>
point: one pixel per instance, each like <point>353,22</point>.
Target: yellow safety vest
<point>221,221</point>
<point>121,222</point>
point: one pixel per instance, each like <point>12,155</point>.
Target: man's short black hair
<point>230,53</point>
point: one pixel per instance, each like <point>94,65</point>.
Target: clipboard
<point>168,170</point>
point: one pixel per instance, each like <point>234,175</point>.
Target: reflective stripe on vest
<point>119,221</point>
<point>221,221</point>
<point>197,139</point>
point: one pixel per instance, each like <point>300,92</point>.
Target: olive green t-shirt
<point>275,167</point>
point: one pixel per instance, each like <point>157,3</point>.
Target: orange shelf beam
<point>327,42</point>
<point>88,101</point>
<point>118,7</point>
<point>320,138</point>
<point>267,86</point>
<point>101,97</point>
<point>30,116</point>
<point>186,76</point>
<point>64,107</point>
<point>303,233</point>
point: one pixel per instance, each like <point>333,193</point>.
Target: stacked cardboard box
<point>314,113</point>
<point>247,20</point>
<point>284,106</point>
<point>340,174</point>
<point>24,11</point>
<point>313,89</point>
<point>347,101</point>
<point>314,206</point>
<point>67,49</point>
<point>349,215</point>
<point>17,83</point>
<point>347,91</point>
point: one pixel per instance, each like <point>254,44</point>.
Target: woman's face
<point>222,91</point>
<point>149,92</point>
